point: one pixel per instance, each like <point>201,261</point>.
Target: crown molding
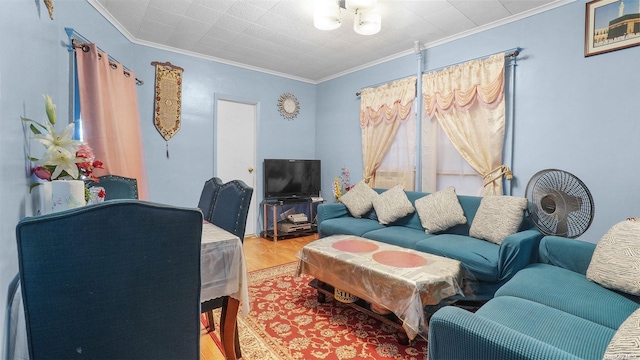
<point>479,29</point>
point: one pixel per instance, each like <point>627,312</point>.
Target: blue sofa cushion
<point>348,225</point>
<point>480,257</point>
<point>568,332</point>
<point>398,235</point>
<point>483,338</point>
<point>570,292</point>
<point>566,253</point>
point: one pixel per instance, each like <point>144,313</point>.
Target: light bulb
<point>327,16</point>
<point>367,23</point>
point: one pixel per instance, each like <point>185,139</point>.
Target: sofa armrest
<point>517,251</point>
<point>571,254</point>
<point>455,333</point>
<point>331,211</point>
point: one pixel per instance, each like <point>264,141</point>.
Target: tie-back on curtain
<point>110,117</point>
<point>382,109</point>
<point>468,102</point>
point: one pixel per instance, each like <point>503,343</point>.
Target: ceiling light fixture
<point>367,21</point>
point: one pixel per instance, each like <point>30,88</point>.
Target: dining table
<point>223,274</point>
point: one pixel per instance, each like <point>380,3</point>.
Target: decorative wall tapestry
<point>49,5</point>
<point>168,100</point>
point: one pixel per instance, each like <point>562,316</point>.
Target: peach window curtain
<point>382,110</point>
<point>110,117</point>
<point>467,100</point>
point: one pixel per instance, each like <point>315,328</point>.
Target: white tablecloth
<point>223,267</point>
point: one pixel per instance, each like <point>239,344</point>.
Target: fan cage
<point>559,203</point>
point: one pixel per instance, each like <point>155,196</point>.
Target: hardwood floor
<point>259,253</point>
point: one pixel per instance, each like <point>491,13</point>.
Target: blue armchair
<point>119,279</point>
<point>548,310</point>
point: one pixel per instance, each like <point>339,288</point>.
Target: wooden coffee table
<point>401,280</point>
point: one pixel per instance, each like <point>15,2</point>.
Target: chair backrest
<point>119,279</point>
<point>226,204</point>
<point>118,187</point>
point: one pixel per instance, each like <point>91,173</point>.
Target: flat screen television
<point>291,178</point>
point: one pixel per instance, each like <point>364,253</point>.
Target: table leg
<point>322,298</point>
<point>211,324</point>
<point>229,329</point>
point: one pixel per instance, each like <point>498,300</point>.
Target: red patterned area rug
<point>287,322</point>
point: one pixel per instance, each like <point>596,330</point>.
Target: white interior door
<point>235,149</point>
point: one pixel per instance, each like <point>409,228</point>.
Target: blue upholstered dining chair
<point>118,187</point>
<point>225,205</point>
<point>115,280</point>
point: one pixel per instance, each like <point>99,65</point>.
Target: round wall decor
<point>288,106</point>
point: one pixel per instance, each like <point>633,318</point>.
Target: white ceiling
<point>278,36</point>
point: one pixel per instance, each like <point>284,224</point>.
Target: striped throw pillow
<point>615,263</point>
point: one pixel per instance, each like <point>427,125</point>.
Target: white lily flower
<point>62,162</point>
<point>62,143</point>
<point>50,109</point>
<point>64,157</point>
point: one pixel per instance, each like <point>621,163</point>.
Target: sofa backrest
<point>469,205</point>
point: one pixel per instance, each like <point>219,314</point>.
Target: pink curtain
<point>110,117</point>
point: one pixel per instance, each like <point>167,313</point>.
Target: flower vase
<point>96,195</point>
<point>58,195</point>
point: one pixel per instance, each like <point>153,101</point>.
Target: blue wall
<point>572,113</point>
<point>35,61</point>
<point>578,114</point>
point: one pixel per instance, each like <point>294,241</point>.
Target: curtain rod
<point>510,53</point>
<point>77,40</point>
<point>382,83</point>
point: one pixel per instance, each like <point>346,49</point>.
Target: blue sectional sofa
<point>491,264</point>
<point>548,310</point>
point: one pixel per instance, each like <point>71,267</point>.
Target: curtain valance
<point>462,85</point>
<point>389,102</point>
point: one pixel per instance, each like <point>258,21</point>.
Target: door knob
<point>250,170</point>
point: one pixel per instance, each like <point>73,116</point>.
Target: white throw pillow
<point>498,217</point>
<point>392,205</point>
<point>625,343</point>
<point>358,199</point>
<point>615,263</point>
<point>440,210</point>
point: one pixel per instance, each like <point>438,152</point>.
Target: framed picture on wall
<point>611,25</point>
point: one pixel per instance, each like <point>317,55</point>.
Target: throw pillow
<point>498,217</point>
<point>624,344</point>
<point>392,205</point>
<point>358,199</point>
<point>440,210</point>
<point>615,263</point>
